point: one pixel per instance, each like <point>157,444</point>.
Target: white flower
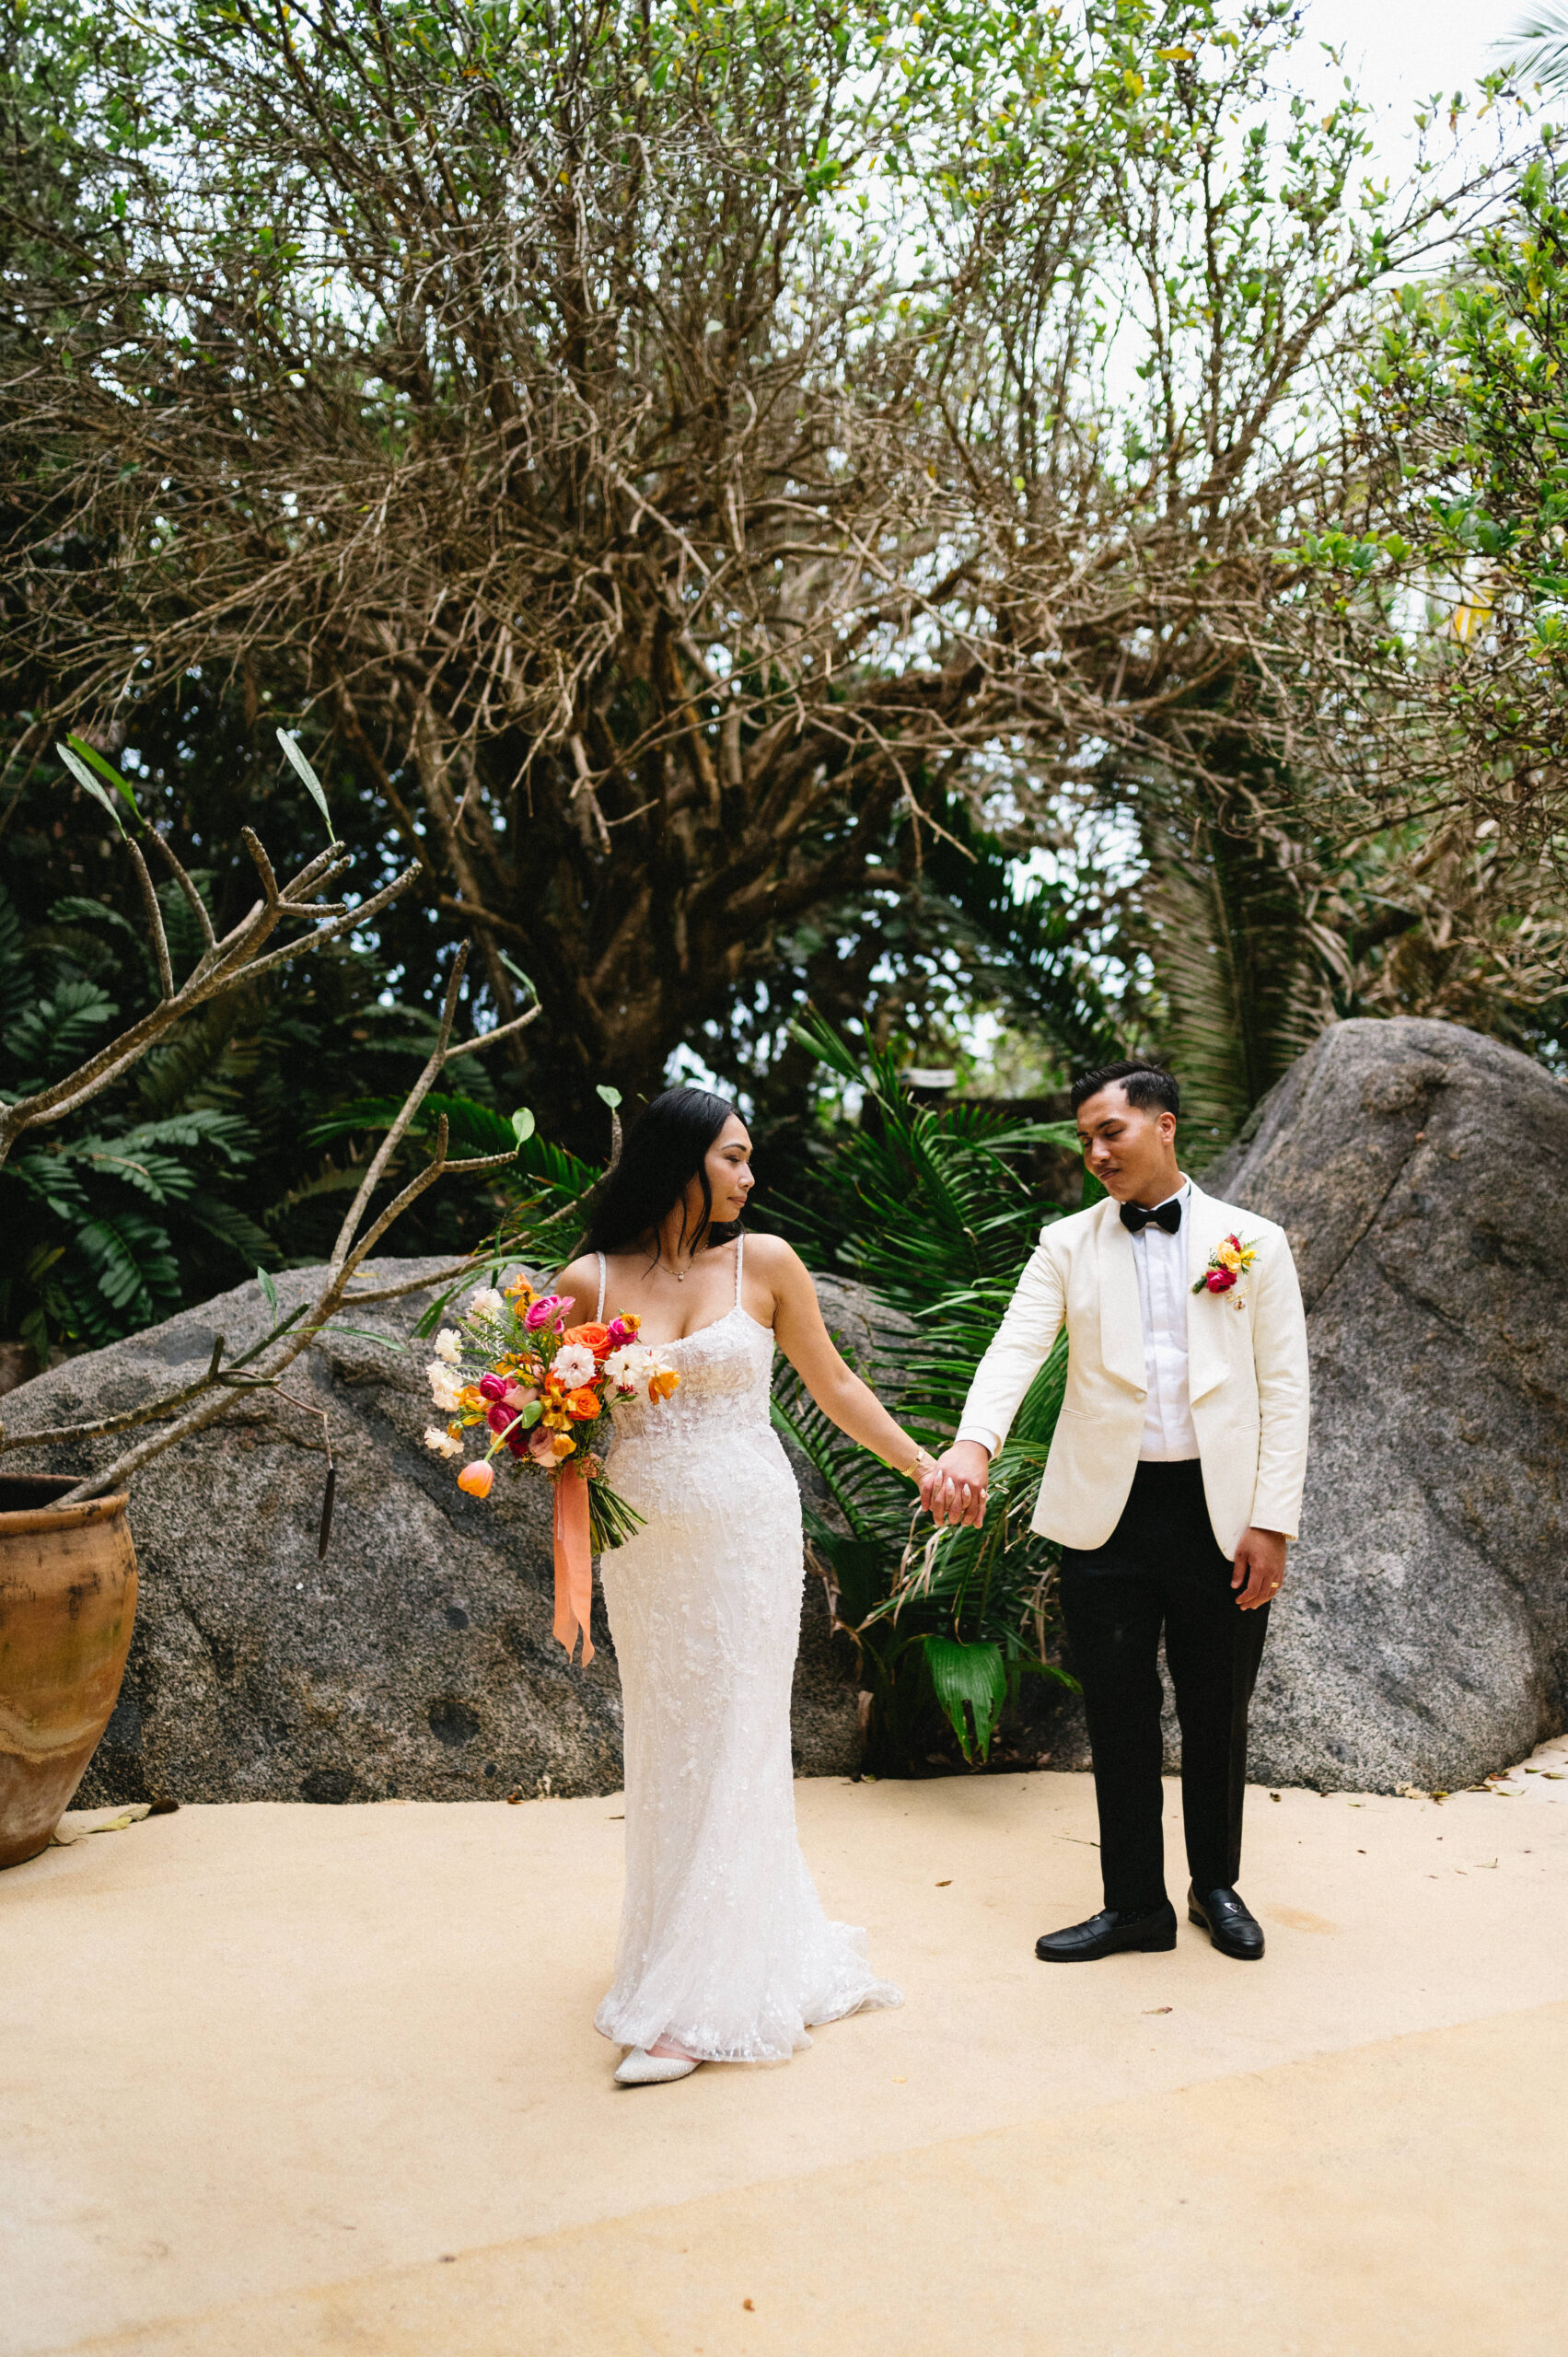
<point>572,1364</point>
<point>629,1368</point>
<point>442,1442</point>
<point>449,1346</point>
<point>485,1302</point>
<point>444,1386</point>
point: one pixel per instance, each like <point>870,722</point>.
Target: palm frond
<point>1537,49</point>
<point>1232,957</point>
<point>473,1128</point>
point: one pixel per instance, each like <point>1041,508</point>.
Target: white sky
<point>1398,51</point>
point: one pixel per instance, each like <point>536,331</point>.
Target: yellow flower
<point>1230,1257</point>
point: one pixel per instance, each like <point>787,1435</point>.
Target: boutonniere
<point>1228,1262</point>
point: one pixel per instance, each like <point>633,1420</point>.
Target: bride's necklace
<point>679,1276</point>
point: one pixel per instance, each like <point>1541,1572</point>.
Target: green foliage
<point>471,1128</point>
<point>1242,987</point>
<point>109,1227</point>
<point>925,1208</point>
<point>220,1149</point>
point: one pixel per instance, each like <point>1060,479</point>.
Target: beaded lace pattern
<point>724,1945</point>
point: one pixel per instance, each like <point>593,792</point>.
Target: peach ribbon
<point>574,1564</point>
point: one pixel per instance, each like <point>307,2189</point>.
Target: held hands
<point>953,1489</point>
<point>1260,1567</point>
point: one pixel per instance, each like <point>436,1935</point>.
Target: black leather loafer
<point>1106,1933</point>
<point>1230,1926</point>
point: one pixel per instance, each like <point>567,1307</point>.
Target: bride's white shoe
<point>641,2069</point>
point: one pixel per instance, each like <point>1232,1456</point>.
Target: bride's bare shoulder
<point>771,1258</point>
<point>579,1276</point>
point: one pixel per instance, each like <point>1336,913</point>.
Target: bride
<point>725,1953</point>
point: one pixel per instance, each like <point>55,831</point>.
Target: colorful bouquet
<point>547,1393</point>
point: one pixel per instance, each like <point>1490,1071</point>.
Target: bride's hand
<point>953,1490</point>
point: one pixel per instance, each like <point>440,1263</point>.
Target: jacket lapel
<point>1208,1359</point>
<point>1121,1315</point>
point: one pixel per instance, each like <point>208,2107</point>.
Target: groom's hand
<point>953,1490</point>
<point>1259,1568</point>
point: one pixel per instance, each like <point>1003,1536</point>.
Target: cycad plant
<point>109,1227</point>
<point>926,1208</point>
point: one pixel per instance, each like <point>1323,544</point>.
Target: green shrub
<point>926,1208</point>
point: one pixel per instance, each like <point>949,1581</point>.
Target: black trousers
<point>1160,1568</point>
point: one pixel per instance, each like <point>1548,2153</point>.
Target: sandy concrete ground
<point>305,2080</point>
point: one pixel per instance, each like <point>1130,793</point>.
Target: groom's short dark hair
<point>1145,1083</point>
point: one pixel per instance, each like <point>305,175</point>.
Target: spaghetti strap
<point>739,1249</point>
<point>598,1313</point>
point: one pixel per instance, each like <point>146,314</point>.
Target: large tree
<point>675,450</point>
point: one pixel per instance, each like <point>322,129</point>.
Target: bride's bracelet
<point>923,1463</point>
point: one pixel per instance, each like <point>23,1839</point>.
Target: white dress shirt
<point>1161,1262</point>
<point>1168,1433</point>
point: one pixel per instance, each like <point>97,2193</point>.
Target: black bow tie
<point>1134,1218</point>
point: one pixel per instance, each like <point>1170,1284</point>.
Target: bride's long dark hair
<point>665,1147</point>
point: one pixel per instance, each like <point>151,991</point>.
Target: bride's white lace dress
<point>724,1945</point>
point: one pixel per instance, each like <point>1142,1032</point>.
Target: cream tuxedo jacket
<point>1246,1375</point>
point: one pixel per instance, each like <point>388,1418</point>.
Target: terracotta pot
<point>67,1606</point>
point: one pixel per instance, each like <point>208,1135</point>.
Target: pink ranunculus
<point>519,1443</point>
<point>519,1395</point>
<point>477,1478</point>
<point>540,1312</point>
<point>1221,1280</point>
<point>620,1332</point>
<point>499,1419</point>
<point>491,1388</point>
<point>542,1445</point>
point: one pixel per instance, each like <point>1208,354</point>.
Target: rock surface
<point>417,1661</point>
<point>1422,1635</point>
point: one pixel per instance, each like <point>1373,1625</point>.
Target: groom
<point>1173,1483</point>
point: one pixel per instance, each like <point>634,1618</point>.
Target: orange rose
<point>582,1405</point>
<point>593,1336</point>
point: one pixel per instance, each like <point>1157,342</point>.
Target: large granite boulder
<point>417,1661</point>
<point>1421,1173</point>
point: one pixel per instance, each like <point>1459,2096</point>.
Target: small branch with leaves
<point>214,1395</point>
<point>236,958</point>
